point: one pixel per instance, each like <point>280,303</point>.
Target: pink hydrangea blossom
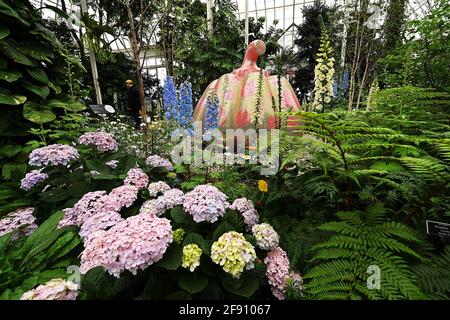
<point>173,197</point>
<point>82,210</point>
<point>248,211</point>
<point>154,207</point>
<point>277,263</point>
<point>55,289</point>
<point>133,244</point>
<point>124,195</point>
<point>136,177</point>
<point>251,217</point>
<point>157,161</point>
<point>54,154</point>
<point>21,221</point>
<point>102,141</point>
<point>32,178</point>
<point>205,203</point>
<point>242,205</point>
<point>157,187</point>
<point>99,221</point>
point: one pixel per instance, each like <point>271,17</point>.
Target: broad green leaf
<point>55,195</point>
<point>53,103</point>
<point>41,91</point>
<point>75,106</point>
<point>10,150</point>
<point>7,10</point>
<point>197,239</point>
<point>247,287</point>
<point>40,30</point>
<point>13,100</point>
<point>10,75</point>
<point>8,169</point>
<point>54,87</point>
<point>41,238</point>
<point>97,165</point>
<point>62,246</point>
<point>78,189</point>
<point>4,241</point>
<point>37,50</point>
<point>193,282</point>
<point>38,74</point>
<point>104,176</point>
<point>171,259</point>
<point>221,229</point>
<point>4,32</point>
<point>37,113</point>
<point>179,216</point>
<point>9,48</point>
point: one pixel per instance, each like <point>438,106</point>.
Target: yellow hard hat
<point>129,81</point>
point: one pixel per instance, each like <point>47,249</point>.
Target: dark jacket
<point>134,99</point>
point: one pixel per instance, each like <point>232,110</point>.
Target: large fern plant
<point>434,276</point>
<point>362,241</point>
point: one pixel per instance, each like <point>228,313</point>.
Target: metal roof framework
<point>283,14</point>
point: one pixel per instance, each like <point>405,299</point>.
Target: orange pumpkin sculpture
<point>246,99</point>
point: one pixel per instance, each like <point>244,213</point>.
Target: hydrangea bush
<point>134,223</point>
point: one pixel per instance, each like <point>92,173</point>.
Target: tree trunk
<point>137,60</point>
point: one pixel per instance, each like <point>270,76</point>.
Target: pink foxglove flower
<point>102,141</point>
<point>133,244</point>
<point>205,203</point>
<point>54,154</point>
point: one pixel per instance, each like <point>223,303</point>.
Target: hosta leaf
<point>4,32</point>
<point>37,113</point>
<point>38,74</point>
<point>10,75</point>
<point>13,100</point>
<point>41,91</point>
<point>9,48</point>
<point>193,282</point>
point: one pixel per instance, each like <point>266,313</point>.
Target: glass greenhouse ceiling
<point>284,14</point>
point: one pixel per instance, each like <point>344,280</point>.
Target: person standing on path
<point>134,103</point>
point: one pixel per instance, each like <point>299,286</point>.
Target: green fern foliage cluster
<point>434,276</point>
<point>363,241</point>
